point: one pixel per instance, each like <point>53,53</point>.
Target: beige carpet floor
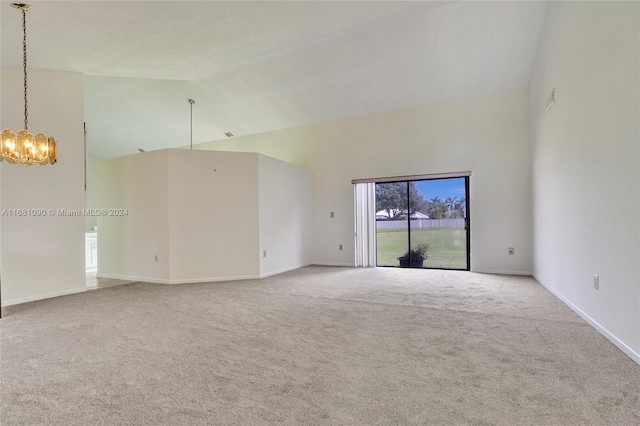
<point>320,345</point>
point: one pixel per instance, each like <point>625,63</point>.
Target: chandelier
<point>24,147</point>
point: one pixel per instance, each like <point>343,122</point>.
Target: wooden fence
<point>421,223</point>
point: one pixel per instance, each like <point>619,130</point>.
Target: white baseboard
<point>177,280</point>
<point>606,333</point>
<point>211,280</point>
<point>43,296</point>
<point>350,265</point>
<point>132,278</point>
<point>283,270</point>
<point>502,272</point>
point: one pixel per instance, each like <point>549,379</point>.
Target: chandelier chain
<point>24,67</point>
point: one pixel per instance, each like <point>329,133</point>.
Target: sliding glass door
<point>392,232</point>
<point>423,223</point>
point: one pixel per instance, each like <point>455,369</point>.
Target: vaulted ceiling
<point>258,66</point>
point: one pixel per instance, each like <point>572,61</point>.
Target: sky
<point>443,188</point>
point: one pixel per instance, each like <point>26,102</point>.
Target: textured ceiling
<point>258,66</point>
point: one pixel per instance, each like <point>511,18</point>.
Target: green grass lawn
<point>447,246</point>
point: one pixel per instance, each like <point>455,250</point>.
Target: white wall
<point>488,136</point>
<point>213,215</point>
<point>285,216</point>
<point>43,256</point>
<point>128,245</point>
<point>205,214</point>
<point>586,162</point>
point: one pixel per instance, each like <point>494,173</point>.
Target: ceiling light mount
<point>21,6</point>
<point>24,147</point>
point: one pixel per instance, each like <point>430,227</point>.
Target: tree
<point>451,203</point>
<point>437,208</point>
<point>417,203</point>
<point>392,198</point>
<point>462,207</point>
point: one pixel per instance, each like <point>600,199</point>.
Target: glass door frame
<point>467,221</point>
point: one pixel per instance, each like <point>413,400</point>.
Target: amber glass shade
<point>41,149</point>
<point>53,150</point>
<point>26,148</point>
<point>7,145</point>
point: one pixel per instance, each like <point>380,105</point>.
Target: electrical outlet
<point>596,282</point>
<point>264,253</point>
<point>332,215</point>
<point>512,251</point>
<point>340,246</point>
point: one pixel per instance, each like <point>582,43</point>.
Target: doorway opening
<point>423,223</point>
